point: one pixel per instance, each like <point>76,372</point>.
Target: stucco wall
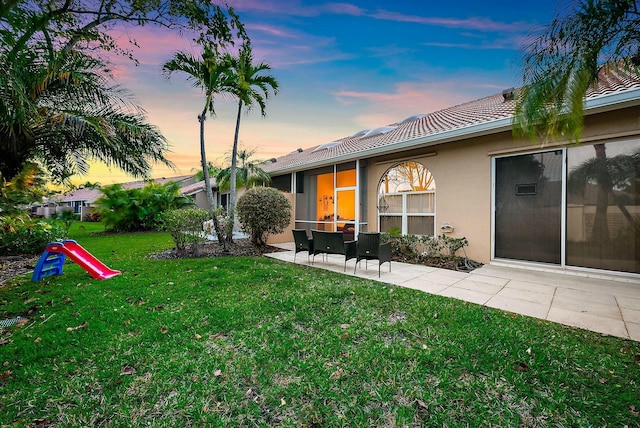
<point>462,171</point>
<point>287,235</point>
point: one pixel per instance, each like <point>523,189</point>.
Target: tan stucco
<point>462,172</point>
<point>287,235</point>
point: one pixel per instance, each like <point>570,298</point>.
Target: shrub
<point>185,226</point>
<point>453,245</point>
<point>19,234</point>
<point>65,218</point>
<point>421,247</point>
<point>93,217</point>
<point>220,225</point>
<point>263,211</point>
<point>125,210</point>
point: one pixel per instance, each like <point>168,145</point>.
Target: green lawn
<point>257,342</point>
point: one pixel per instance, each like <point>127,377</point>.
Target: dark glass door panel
<point>528,207</point>
<point>603,206</point>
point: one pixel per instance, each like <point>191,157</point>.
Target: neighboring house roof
<point>87,195</point>
<point>163,180</point>
<point>193,188</point>
<point>197,187</point>
<point>480,117</point>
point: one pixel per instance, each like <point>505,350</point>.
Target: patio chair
<point>368,247</point>
<point>303,243</point>
<point>326,243</point>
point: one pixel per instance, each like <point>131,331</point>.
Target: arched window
<point>407,200</point>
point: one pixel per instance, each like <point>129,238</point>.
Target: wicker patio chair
<point>303,243</point>
<point>368,247</point>
<point>326,243</point>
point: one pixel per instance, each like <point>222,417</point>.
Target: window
<point>326,199</point>
<point>407,200</point>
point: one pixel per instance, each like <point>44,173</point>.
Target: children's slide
<point>52,259</point>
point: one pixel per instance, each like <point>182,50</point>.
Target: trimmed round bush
<point>263,211</point>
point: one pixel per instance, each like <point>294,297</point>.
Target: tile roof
<point>461,121</point>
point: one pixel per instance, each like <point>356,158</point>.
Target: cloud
<point>496,44</point>
<point>472,23</point>
<point>295,8</point>
<point>383,108</point>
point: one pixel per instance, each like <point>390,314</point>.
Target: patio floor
<point>601,304</point>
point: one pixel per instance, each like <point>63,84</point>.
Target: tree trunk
<point>232,173</point>
<point>600,232</point>
<point>205,165</point>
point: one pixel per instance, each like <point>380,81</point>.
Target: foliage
<point>56,103</point>
<point>250,86</point>
<point>20,234</point>
<point>93,217</point>
<point>68,114</point>
<point>212,169</point>
<point>564,61</point>
<point>248,172</point>
<point>221,224</point>
<point>422,246</point>
<point>239,341</point>
<point>185,226</point>
<point>139,208</point>
<point>263,211</point>
<point>86,25</point>
<point>24,189</point>
<point>65,217</point>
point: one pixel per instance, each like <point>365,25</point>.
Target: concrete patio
<point>608,305</point>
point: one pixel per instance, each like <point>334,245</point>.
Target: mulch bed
<point>451,263</point>
<point>11,266</point>
<point>239,247</point>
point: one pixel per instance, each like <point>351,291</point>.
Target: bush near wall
<point>438,251</point>
<point>263,211</point>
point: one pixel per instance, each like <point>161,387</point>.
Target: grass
<point>256,342</point>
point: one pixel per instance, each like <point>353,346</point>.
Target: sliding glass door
<point>528,207</point>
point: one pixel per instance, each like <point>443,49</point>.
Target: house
<point>461,171</point>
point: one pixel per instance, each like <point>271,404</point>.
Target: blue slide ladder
<point>50,263</point>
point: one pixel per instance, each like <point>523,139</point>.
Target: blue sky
<point>342,67</point>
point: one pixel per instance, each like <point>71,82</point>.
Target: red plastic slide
<point>85,260</point>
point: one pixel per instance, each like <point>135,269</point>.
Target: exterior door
<point>346,213</point>
<point>528,207</point>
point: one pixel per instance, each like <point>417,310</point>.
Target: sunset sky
<point>342,67</point>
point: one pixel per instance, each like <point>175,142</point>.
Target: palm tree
<point>59,109</point>
<point>562,63</point>
<point>251,87</point>
<point>248,173</point>
<point>211,75</point>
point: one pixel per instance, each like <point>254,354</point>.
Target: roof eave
<point>475,130</point>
